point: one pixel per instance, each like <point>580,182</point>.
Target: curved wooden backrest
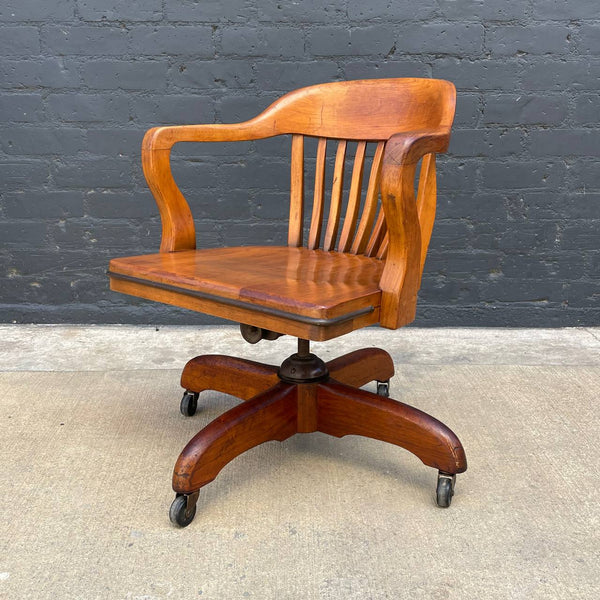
<point>367,109</point>
<point>368,112</point>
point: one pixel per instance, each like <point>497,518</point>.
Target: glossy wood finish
<point>330,407</point>
<point>405,118</point>
<point>362,265</point>
<point>268,416</point>
<point>237,377</point>
<point>295,281</point>
<point>361,367</point>
<point>345,410</point>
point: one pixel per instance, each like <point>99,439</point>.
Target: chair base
<point>325,397</point>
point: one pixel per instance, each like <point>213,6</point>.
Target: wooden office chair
<point>362,269</point>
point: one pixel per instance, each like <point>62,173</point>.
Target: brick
<point>580,236</point>
<point>456,174</point>
<point>525,109</point>
<point>234,109</point>
<point>564,142</point>
<point>50,73</point>
<point>127,75</point>
<point>589,39</point>
<point>34,10</point>
<point>269,205</point>
<point>28,204</point>
<point>23,233</point>
<point>366,69</point>
<point>583,205</point>
<point>173,109</point>
<point>308,11</point>
<point>20,41</point>
<point>110,204</point>
<point>23,174</point>
<point>557,267</point>
<point>499,10</point>
<point>561,10</point>
<point>450,38</point>
<point>212,74</point>
<point>115,10</point>
<point>586,108</point>
<point>115,142</point>
<point>522,175</point>
<point>21,108</point>
<point>172,40</point>
<point>93,173</point>
<point>386,10</point>
<point>468,110</point>
<point>512,40</point>
<point>232,206</point>
<point>486,74</point>
<point>485,143</point>
<point>89,108</point>
<point>332,41</point>
<point>584,175</point>
<point>84,40</point>
<point>207,11</point>
<point>36,140</point>
<point>248,234</point>
<point>290,76</point>
<point>560,75</point>
<point>285,42</point>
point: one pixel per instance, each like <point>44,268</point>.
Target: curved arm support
<point>178,231</point>
<point>401,275</point>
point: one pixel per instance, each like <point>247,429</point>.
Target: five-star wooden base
<point>276,409</point>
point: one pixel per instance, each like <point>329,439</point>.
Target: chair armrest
<point>178,231</point>
<point>401,277</point>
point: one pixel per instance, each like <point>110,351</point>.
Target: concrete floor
<point>91,430</point>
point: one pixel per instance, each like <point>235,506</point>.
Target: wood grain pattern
<point>335,207</point>
<point>310,283</point>
<point>361,367</point>
<point>269,416</point>
<point>354,197</point>
<point>426,203</point>
<point>314,236</point>
<point>345,410</point>
<point>238,377</point>
<point>329,407</point>
<point>365,225</point>
<point>296,225</point>
<point>408,119</point>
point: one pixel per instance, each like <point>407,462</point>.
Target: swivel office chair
<point>361,267</point>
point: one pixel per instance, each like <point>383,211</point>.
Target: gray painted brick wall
<point>517,238</point>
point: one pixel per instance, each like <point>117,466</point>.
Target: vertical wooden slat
<point>426,200</point>
<point>335,208</point>
<point>382,252</point>
<point>296,192</point>
<point>377,234</point>
<point>314,235</point>
<point>353,199</point>
<point>370,207</point>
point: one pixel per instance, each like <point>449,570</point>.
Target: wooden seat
<point>320,292</point>
<point>367,236</point>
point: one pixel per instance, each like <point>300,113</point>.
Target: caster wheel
<point>189,404</point>
<point>383,388</point>
<point>180,514</point>
<point>445,489</point>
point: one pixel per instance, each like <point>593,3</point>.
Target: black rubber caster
<point>383,388</point>
<point>189,404</point>
<point>183,510</point>
<point>445,489</point>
